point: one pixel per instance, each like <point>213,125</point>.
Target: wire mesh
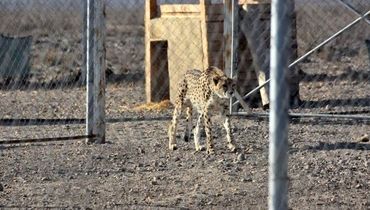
<point>339,70</point>
<point>39,78</point>
<point>146,58</point>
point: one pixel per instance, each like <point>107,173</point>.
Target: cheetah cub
<point>205,91</point>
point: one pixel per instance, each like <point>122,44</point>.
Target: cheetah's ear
<point>216,80</point>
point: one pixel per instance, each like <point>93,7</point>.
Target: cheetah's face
<point>223,87</point>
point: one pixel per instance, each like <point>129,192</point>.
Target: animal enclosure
<point>195,36</point>
<point>45,161</point>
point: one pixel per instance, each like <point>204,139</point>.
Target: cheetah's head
<point>220,84</point>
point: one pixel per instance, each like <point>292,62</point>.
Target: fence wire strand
<point>149,45</point>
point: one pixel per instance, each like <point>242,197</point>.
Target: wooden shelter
<point>184,36</point>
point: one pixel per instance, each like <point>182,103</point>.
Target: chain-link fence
<point>41,58</point>
<point>148,46</point>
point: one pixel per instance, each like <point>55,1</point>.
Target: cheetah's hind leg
<point>172,128</point>
<point>189,123</point>
<point>176,114</point>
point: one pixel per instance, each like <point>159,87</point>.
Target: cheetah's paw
<point>173,147</point>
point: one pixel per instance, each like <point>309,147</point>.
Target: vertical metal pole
<point>234,45</point>
<point>95,65</point>
<point>367,42</point>
<point>89,70</point>
<point>83,75</point>
<point>278,149</point>
<point>231,40</point>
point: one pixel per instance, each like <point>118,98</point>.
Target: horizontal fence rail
<point>118,73</point>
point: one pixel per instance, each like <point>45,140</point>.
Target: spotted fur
<point>202,90</point>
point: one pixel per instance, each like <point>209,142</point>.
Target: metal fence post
<point>278,149</point>
<point>231,31</point>
<point>95,66</point>
<point>83,75</point>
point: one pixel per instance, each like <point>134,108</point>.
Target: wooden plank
<point>215,17</point>
<point>217,59</point>
<point>215,9</point>
<point>95,64</point>
<point>217,45</point>
<point>204,33</point>
<point>215,37</point>
<point>180,15</point>
<point>254,1</point>
<point>179,8</point>
<point>214,27</point>
<point>258,38</point>
<point>150,9</point>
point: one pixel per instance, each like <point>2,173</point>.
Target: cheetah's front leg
<point>229,138</point>
<point>198,147</point>
<point>209,137</point>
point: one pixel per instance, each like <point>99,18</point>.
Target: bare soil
<point>328,162</point>
<point>328,159</point>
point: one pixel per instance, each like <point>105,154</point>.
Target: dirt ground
<point>328,162</point>
<point>328,159</point>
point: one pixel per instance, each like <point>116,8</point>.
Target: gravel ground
<point>328,167</point>
<point>328,162</point>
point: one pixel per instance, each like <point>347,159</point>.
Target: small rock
<point>154,181</point>
<point>177,159</point>
<point>364,138</point>
<point>45,179</point>
<point>99,157</point>
<point>246,179</point>
<point>228,165</point>
<point>1,188</point>
<point>221,161</point>
<point>240,157</point>
<point>141,151</point>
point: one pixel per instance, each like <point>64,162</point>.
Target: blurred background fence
<point>48,99</point>
<point>341,66</point>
